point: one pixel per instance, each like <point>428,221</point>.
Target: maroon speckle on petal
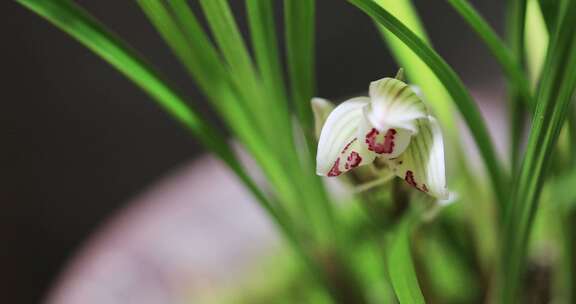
<point>371,138</point>
<point>424,188</point>
<point>334,171</point>
<point>386,147</point>
<point>348,146</point>
<point>411,181</point>
<point>353,160</point>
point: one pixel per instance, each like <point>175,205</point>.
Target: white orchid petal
<point>394,105</point>
<point>339,148</point>
<point>321,108</point>
<point>422,164</point>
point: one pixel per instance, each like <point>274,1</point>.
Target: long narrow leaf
<point>536,40</point>
<point>263,34</point>
<point>554,95</point>
<point>206,67</point>
<point>299,27</point>
<point>183,33</point>
<point>246,79</point>
<point>267,56</point>
<point>400,264</point>
<point>453,84</point>
<point>497,47</point>
<point>235,52</point>
<point>516,17</point>
<point>550,12</point>
<point>80,25</point>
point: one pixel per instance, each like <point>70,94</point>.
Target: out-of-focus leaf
<point>400,264</point>
<point>499,50</point>
<point>536,40</point>
<point>299,35</point>
<point>550,10</point>
<point>555,92</point>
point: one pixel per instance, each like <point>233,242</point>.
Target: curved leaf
<point>400,264</point>
<point>80,25</point>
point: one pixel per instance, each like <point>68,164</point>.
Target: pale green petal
<point>394,105</point>
<point>339,148</point>
<point>422,164</point>
<point>321,108</point>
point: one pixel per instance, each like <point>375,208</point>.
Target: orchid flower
<point>392,124</point>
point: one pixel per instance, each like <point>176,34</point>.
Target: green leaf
<point>453,84</point>
<point>509,60</point>
<point>555,92</point>
<point>263,34</point>
<point>551,11</point>
<point>497,48</point>
<point>240,105</point>
<point>228,38</point>
<point>267,110</point>
<point>401,268</point>
<point>237,57</point>
<point>181,30</point>
<point>265,46</point>
<point>81,26</point>
<point>536,40</point>
<point>516,21</point>
<point>299,35</point>
<point>76,22</point>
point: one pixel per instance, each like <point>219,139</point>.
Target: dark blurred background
<point>77,140</point>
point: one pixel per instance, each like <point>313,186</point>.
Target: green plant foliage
<point>402,272</point>
<point>89,32</point>
<point>382,241</point>
<point>299,26</point>
<point>499,50</point>
<point>555,92</point>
